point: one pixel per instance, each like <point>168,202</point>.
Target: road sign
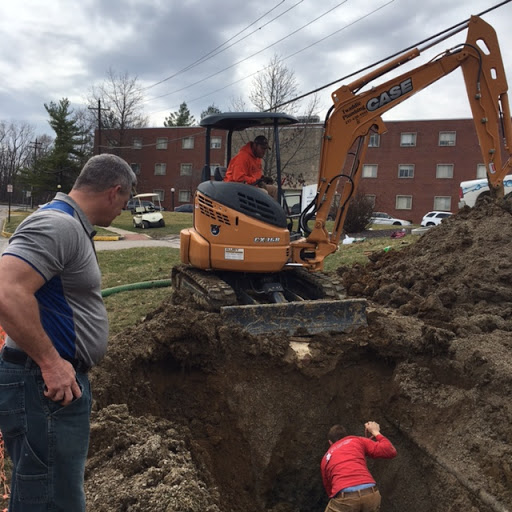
<point>9,188</point>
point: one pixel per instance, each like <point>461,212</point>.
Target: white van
<point>471,190</point>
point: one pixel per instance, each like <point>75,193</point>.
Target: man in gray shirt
<point>57,328</point>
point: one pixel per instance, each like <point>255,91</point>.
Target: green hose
<point>136,286</point>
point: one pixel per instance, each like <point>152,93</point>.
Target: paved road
<point>128,241</point>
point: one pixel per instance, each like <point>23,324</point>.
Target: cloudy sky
<point>208,52</point>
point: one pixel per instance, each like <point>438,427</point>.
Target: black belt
<point>11,355</point>
<point>361,492</point>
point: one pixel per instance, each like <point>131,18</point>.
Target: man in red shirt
<point>346,478</point>
<point>245,167</point>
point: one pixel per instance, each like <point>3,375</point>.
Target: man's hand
<point>372,427</point>
<point>60,382</point>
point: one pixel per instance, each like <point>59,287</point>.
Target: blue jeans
<point>46,442</point>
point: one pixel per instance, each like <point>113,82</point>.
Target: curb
<point>5,234</point>
<point>106,238</point>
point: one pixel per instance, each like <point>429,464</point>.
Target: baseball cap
<point>262,141</point>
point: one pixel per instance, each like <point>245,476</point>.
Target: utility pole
<point>99,109</point>
<point>36,145</point>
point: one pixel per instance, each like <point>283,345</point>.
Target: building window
<point>406,171</point>
<point>160,169</point>
<point>187,143</point>
<point>135,168</point>
<point>407,139</point>
<point>215,142</point>
<point>185,169</point>
<point>184,196</point>
<point>374,140</point>
<point>403,202</point>
<point>371,198</point>
<point>481,171</point>
<point>370,170</point>
<point>443,203</point>
<point>137,144</point>
<point>161,143</point>
<point>444,171</point>
<point>447,138</point>
<point>160,192</point>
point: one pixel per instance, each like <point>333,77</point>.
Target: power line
<point>214,52</point>
<point>284,58</point>
<point>252,55</point>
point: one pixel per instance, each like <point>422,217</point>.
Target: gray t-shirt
<point>56,241</point>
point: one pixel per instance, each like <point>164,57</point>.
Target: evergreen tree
<point>59,167</point>
<point>212,109</point>
<point>182,117</point>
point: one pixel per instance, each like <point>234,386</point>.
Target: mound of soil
<point>191,414</point>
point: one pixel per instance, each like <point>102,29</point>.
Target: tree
<point>122,95</point>
<point>359,212</point>
<point>58,168</point>
<point>212,109</point>
<point>15,154</point>
<point>180,118</point>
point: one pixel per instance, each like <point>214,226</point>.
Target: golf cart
<point>147,215</point>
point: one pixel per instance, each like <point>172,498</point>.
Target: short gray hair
<point>102,172</point>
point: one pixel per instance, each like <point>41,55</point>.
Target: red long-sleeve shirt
<point>244,167</point>
<point>344,464</point>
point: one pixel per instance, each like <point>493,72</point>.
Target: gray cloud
<point>62,49</point>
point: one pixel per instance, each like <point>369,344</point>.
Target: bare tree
<point>274,90</point>
<point>15,153</point>
<point>122,95</point>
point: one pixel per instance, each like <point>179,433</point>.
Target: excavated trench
<point>191,414</point>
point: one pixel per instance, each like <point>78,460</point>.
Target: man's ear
<point>113,191</point>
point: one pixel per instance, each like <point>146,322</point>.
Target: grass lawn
<point>128,266</point>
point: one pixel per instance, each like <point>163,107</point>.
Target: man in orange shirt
<point>246,167</point>
<point>346,478</point>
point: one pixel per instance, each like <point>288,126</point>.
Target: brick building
<point>415,167</point>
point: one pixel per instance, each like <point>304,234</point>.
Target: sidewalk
<point>123,239</point>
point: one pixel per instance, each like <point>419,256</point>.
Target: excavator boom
<point>354,115</point>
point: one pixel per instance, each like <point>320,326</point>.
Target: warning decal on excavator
<point>231,253</point>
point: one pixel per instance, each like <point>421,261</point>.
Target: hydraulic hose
<point>136,286</point>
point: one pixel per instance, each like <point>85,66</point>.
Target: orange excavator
<point>242,258</point>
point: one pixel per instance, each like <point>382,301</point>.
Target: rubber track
<point>316,285</point>
<point>208,290</point>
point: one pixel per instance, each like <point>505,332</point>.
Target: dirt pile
<point>193,415</point>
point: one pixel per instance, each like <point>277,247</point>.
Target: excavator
<point>242,258</point>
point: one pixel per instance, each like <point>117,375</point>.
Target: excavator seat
<point>219,173</point>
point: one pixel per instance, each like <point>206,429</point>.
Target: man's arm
<point>380,448</point>
<point>19,317</point>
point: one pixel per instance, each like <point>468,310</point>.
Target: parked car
<point>133,203</point>
<point>184,208</point>
<point>384,218</point>
<point>434,218</point>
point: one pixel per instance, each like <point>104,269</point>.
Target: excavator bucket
<point>298,318</point>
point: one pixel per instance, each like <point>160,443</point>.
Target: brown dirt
<point>192,415</point>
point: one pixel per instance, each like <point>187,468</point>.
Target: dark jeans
<point>46,442</point>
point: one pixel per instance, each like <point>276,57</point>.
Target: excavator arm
<point>355,115</point>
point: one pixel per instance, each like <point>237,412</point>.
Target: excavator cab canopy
<point>238,121</point>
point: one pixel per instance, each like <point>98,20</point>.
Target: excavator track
<point>206,288</point>
<point>314,285</point>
